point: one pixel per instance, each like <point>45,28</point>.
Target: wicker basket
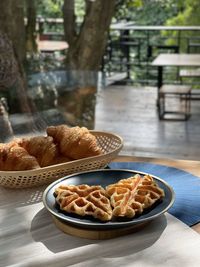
<point>111,144</point>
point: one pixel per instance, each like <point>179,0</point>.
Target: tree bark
<point>31,37</point>
<point>69,21</point>
<point>86,48</point>
<point>12,23</point>
<point>13,51</point>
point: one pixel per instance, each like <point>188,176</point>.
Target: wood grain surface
<point>96,234</point>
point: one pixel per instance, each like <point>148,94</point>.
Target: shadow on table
<point>21,197</point>
<point>43,230</point>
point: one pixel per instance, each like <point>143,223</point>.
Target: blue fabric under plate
<point>186,187</point>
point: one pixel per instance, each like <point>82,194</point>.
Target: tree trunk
<point>69,21</point>
<point>13,52</point>
<point>84,57</point>
<point>86,48</point>
<point>31,45</point>
<point>12,23</point>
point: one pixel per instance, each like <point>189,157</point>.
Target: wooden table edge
<point>190,166</point>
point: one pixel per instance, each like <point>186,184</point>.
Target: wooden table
<point>174,60</point>
<point>52,46</point>
<point>30,238</point>
<point>186,165</point>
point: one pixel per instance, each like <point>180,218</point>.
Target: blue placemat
<point>186,187</point>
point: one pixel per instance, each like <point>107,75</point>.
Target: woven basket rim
<point>67,164</point>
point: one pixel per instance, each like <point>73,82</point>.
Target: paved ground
<point>131,113</point>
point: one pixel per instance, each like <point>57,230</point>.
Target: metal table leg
<point>160,82</point>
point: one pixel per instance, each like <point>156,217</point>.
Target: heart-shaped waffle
<point>84,200</point>
<point>131,196</point>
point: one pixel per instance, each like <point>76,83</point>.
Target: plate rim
<point>103,225</point>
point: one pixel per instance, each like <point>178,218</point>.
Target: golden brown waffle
<point>131,196</point>
<point>84,200</point>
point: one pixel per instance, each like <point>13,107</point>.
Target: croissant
<point>74,142</point>
<point>16,158</point>
<point>42,148</point>
<point>60,159</point>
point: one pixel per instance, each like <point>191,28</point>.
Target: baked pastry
<point>126,198</point>
<point>16,158</point>
<point>75,142</point>
<point>63,144</point>
<point>129,197</point>
<point>42,148</point>
<point>60,159</point>
<point>84,200</point>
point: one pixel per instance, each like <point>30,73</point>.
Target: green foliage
<point>123,7</point>
<point>79,9</point>
<point>49,8</point>
<point>53,8</point>
<point>188,15</point>
<point>146,12</point>
<point>154,12</point>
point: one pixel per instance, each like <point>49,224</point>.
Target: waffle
<point>129,197</point>
<point>84,200</point>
